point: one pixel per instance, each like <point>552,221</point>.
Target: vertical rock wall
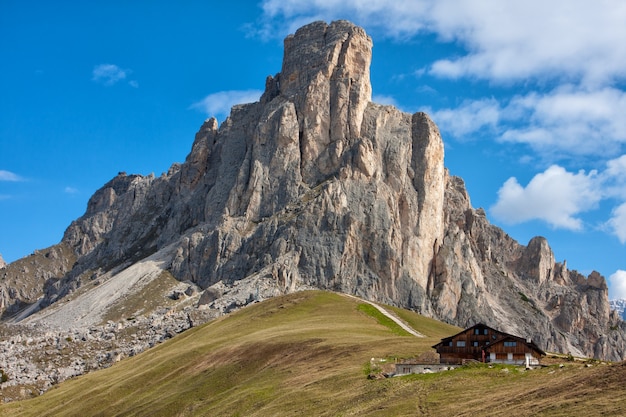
<point>315,185</point>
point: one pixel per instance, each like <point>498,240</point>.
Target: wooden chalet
<point>484,344</point>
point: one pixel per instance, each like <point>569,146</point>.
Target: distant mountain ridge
<point>313,186</point>
<point>619,306</point>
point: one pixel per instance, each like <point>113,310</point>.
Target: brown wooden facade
<point>485,344</point>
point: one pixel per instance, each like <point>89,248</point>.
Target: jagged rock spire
<point>316,186</point>
<point>326,74</point>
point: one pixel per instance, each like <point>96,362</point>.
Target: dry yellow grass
<point>306,354</point>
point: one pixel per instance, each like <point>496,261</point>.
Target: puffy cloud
<point>558,197</point>
<point>471,116</point>
<point>108,74</point>
<point>397,19</point>
<point>568,121</point>
<point>564,122</point>
<point>617,223</point>
<point>617,285</point>
<point>504,40</point>
<point>555,196</point>
<point>614,178</point>
<point>516,40</point>
<point>9,176</point>
<point>70,190</point>
<point>219,104</point>
<point>382,99</point>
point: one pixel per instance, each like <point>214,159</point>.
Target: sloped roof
<point>504,336</point>
<point>481,325</point>
<point>530,344</point>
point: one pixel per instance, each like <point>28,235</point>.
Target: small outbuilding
<point>482,343</point>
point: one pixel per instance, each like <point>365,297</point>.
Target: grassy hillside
<point>309,354</point>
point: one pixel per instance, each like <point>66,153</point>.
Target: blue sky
<point>530,97</point>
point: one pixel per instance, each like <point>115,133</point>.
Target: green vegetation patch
<point>425,325</point>
<point>372,311</point>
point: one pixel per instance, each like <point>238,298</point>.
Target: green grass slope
<point>308,354</point>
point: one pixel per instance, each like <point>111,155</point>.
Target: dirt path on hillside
<point>389,314</point>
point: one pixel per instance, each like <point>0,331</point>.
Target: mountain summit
<point>316,186</point>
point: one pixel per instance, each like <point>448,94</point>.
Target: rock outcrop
<point>22,282</point>
<point>316,186</point>
<point>619,306</point>
<point>480,272</point>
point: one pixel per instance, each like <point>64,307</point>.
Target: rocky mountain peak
<point>2,262</point>
<point>339,53</point>
<point>326,75</point>
<point>315,186</point>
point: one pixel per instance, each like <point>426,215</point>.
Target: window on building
<point>486,331</point>
<point>510,343</point>
<point>460,343</point>
<point>475,344</point>
<point>476,331</point>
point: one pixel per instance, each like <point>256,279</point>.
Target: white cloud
<point>564,122</point>
<point>471,116</point>
<point>554,196</point>
<point>617,223</point>
<point>383,99</point>
<point>614,178</point>
<point>559,197</point>
<point>108,74</point>
<point>397,19</point>
<point>221,102</point>
<point>569,121</point>
<point>9,176</point>
<point>617,285</point>
<point>70,190</point>
<point>534,38</point>
<point>577,39</point>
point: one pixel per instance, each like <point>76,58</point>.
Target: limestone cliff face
<point>315,185</point>
<point>480,273</point>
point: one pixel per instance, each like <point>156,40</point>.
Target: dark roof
<point>505,335</point>
<point>481,325</point>
<point>530,344</point>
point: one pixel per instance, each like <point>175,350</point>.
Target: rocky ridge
<point>620,307</point>
<point>315,186</point>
